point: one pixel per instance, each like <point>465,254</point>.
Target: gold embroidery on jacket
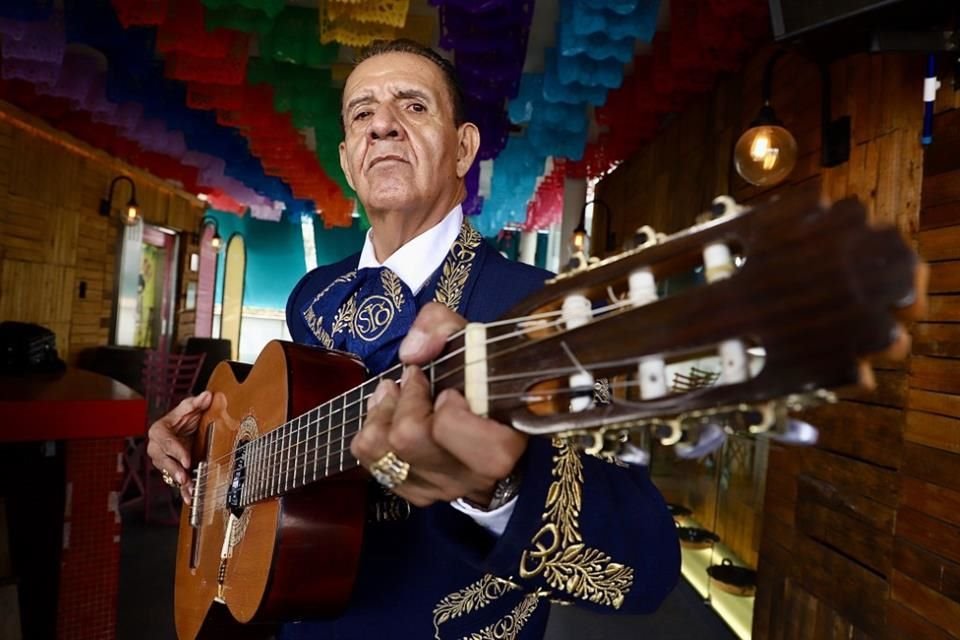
<point>558,551</point>
<point>456,268</point>
<point>393,287</point>
<point>472,598</point>
<point>510,626</point>
<point>314,322</point>
<point>344,316</point>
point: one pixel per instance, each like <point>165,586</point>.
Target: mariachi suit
<point>583,530</point>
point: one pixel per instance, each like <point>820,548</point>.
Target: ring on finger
<point>389,470</point>
<point>169,479</point>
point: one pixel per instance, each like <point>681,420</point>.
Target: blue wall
<point>275,254</point>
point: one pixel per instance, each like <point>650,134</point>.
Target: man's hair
<point>404,45</point>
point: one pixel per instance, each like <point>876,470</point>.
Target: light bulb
<point>216,242</point>
<point>765,154</point>
<point>131,216</point>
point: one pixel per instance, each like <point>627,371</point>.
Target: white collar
<point>416,261</point>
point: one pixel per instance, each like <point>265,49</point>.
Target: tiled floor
<point>146,607</point>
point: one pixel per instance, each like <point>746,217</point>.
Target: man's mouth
<point>388,158</point>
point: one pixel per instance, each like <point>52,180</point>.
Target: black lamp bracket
<point>834,133</point>
<point>609,241</point>
<point>106,203</point>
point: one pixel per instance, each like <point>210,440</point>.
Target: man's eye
<point>361,115</point>
<point>417,107</point>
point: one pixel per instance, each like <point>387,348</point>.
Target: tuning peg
<point>794,432</point>
<point>710,438</point>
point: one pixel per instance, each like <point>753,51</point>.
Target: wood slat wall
<point>53,242</point>
<point>858,536</point>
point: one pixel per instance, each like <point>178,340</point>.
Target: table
<point>91,415</point>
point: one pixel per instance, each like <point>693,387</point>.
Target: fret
<point>253,469</point>
<point>261,441</point>
<point>262,465</point>
<point>317,430</point>
<point>306,447</point>
<point>285,453</point>
<point>351,424</point>
<point>273,461</point>
<point>295,466</point>
<point>343,429</point>
<point>329,430</point>
<point>302,424</point>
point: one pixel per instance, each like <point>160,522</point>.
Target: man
<point>503,525</point>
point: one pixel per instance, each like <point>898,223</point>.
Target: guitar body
<point>291,557</point>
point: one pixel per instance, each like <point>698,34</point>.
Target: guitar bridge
<point>196,509</point>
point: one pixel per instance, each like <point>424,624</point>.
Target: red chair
<point>168,378</point>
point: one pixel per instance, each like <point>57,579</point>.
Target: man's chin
<point>390,200</point>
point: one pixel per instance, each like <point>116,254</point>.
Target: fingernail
<point>378,395</point>
<point>442,399</point>
<point>413,343</point>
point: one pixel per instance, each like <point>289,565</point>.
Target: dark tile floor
<point>146,607</point>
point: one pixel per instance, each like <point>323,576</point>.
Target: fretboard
<point>311,446</point>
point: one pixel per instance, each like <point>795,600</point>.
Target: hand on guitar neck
<point>452,453</point>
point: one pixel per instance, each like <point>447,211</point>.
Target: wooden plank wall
<point>857,536</point>
<point>57,254</point>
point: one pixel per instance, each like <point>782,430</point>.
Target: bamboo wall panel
<point>57,253</point>
<point>856,532</point>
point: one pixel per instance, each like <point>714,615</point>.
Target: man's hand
<point>452,452</point>
<point>171,437</point>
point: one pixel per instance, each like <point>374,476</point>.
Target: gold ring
<point>390,471</point>
<point>169,479</point>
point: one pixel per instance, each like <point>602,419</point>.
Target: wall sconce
<point>131,214</point>
<point>580,234</point>
<point>766,153</point>
<point>216,242</point>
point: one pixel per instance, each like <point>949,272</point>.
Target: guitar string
<point>342,427</point>
<point>398,367</point>
<point>296,465</point>
<point>519,332</point>
<point>345,405</point>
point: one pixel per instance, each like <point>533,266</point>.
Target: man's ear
<point>468,143</point>
<point>345,165</point>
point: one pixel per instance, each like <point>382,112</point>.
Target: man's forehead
<point>394,72</point>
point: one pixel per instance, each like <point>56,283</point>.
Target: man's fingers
<point>409,434</point>
<point>428,335</point>
<point>163,443</point>
<point>486,447</point>
<point>368,445</point>
<point>190,406</point>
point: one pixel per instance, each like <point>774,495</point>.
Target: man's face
<point>401,150</point>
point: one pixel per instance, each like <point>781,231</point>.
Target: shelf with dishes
<point>715,572</point>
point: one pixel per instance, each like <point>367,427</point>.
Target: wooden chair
<point>168,378</point>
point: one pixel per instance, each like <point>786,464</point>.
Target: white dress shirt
<point>414,263</point>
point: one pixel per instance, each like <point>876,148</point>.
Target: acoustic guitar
<point>814,288</point>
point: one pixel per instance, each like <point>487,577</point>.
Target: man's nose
<point>384,123</point>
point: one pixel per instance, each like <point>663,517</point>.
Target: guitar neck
<point>316,444</point>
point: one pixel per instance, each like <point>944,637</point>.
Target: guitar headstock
<point>771,305</point>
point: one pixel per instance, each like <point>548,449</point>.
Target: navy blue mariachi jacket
<point>584,531</point>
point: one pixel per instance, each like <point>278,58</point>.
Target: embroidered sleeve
<point>557,550</point>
